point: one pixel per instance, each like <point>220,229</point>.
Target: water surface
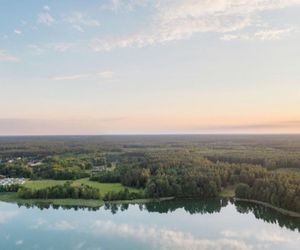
<point>188,224</point>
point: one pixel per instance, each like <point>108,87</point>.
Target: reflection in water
<point>268,215</point>
<point>192,206</point>
<point>175,224</point>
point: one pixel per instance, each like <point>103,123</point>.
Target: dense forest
<point>264,168</point>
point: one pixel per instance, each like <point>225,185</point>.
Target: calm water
<point>213,224</point>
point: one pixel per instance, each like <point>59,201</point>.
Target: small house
<point>98,169</point>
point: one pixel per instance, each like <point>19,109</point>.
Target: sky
<point>149,67</point>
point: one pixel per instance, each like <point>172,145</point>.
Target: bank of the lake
<point>13,198</point>
<point>268,205</point>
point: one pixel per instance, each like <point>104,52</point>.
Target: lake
<point>184,224</point>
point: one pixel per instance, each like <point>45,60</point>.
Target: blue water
<point>193,224</point>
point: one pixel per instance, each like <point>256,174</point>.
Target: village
<point>11,181</point>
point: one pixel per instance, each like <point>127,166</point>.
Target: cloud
<point>103,74</point>
<point>36,49</point>
<point>262,35</point>
<point>5,57</point>
<point>69,77</point>
<point>180,19</point>
<point>18,32</point>
<point>79,20</point>
<point>116,5</point>
<point>60,47</point>
<point>164,238</point>
<point>273,34</point>
<point>6,215</point>
<point>275,237</point>
<point>46,8</point>
<point>19,242</point>
<point>45,18</point>
<point>63,226</point>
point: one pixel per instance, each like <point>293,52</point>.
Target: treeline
<point>107,177</point>
<point>123,195</point>
<point>9,188</point>
<point>60,192</point>
<point>277,189</point>
<point>270,161</point>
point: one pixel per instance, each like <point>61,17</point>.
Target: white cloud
<point>19,242</point>
<point>45,18</point>
<point>273,34</point>
<point>69,77</point>
<point>116,5</point>
<point>102,74</point>
<point>166,239</point>
<point>180,19</point>
<point>262,35</point>
<point>63,226</point>
<point>61,47</point>
<point>58,47</point>
<point>36,49</point>
<point>18,32</point>
<point>5,57</point>
<point>264,236</point>
<point>46,8</point>
<point>106,74</point>
<point>79,20</point>
<point>6,215</point>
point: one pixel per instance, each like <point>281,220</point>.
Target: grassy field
<point>103,187</point>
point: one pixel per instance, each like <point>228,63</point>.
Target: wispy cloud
<point>60,46</point>
<point>101,74</point>
<point>19,242</point>
<point>46,8</point>
<point>275,237</point>
<point>69,77</point>
<point>63,226</point>
<point>44,17</point>
<point>262,35</point>
<point>80,20</point>
<point>116,5</point>
<point>5,57</point>
<point>18,32</point>
<point>165,238</point>
<point>178,19</point>
<point>6,215</point>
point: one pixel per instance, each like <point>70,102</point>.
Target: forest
<point>264,168</point>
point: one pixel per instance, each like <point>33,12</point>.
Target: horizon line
<point>147,134</point>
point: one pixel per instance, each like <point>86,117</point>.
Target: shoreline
<point>12,198</point>
<point>268,205</point>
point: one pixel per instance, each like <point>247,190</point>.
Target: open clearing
<point>103,187</point>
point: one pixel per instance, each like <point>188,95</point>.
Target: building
<point>98,169</point>
<point>34,163</point>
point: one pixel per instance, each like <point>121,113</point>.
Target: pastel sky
<point>149,66</point>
